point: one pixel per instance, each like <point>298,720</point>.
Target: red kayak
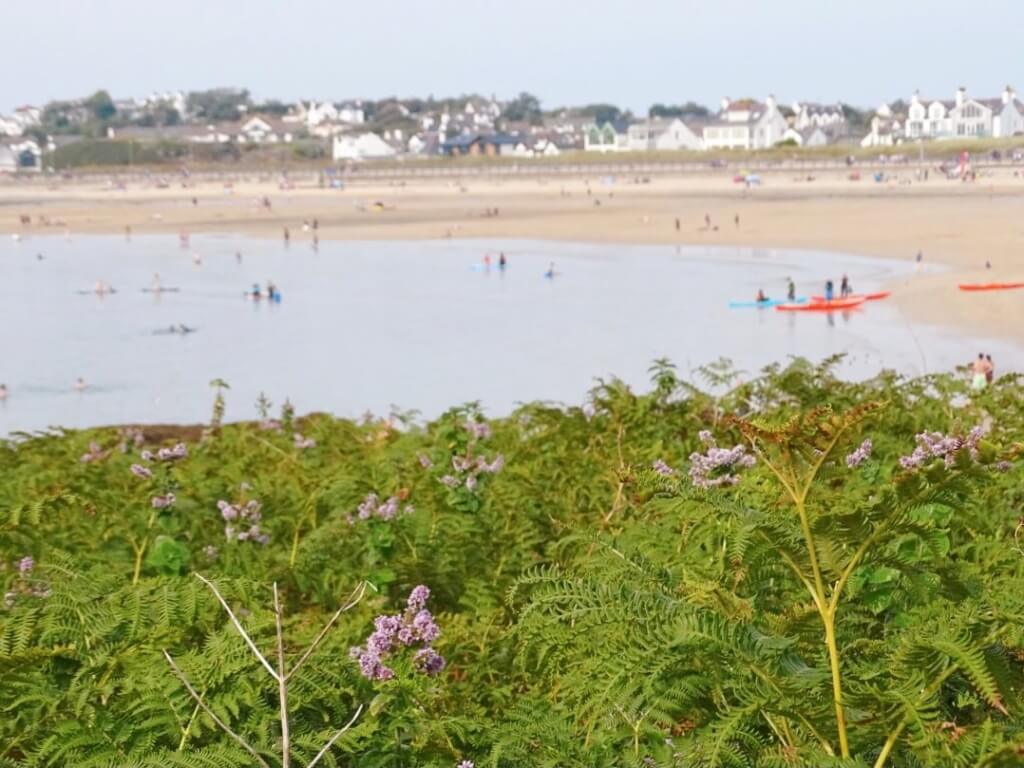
<point>990,286</point>
<point>822,306</point>
<point>866,296</point>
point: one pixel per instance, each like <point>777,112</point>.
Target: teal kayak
<point>766,303</point>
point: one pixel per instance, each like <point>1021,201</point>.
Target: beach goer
<point>737,221</point>
<point>979,372</point>
<point>829,290</point>
<point>791,290</point>
<point>844,287</point>
<point>487,260</point>
<point>80,384</point>
<point>760,295</point>
<point>316,225</point>
<point>3,391</point>
<point>255,293</point>
<point>287,235</point>
<point>551,270</point>
<point>990,369</point>
<point>988,264</point>
<point>271,289</point>
<point>39,257</point>
<point>707,221</point>
<point>127,233</point>
<point>238,257</point>
<point>677,224</point>
<point>502,261</point>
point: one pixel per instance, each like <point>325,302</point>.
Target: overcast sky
<point>629,52</point>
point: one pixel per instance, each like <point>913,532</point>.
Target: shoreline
<point>958,225</point>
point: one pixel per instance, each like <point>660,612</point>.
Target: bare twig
<point>357,595</point>
<point>282,685</point>
<point>334,738</point>
<point>223,726</point>
<point>239,627</point>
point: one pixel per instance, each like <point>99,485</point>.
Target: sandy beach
<point>956,224</point>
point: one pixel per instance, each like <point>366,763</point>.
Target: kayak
<point>990,286</point>
<point>765,303</point>
<point>821,306</point>
<point>866,296</point>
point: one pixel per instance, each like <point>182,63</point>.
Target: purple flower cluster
<point>468,470</point>
<point>302,443</point>
<point>935,445</point>
<point>26,564</point>
<point>163,502</point>
<point>480,430</point>
<point>140,471</point>
<point>96,453</point>
<point>179,451</point>
<point>717,466</point>
<point>424,460</point>
<point>414,626</point>
<point>247,518</point>
<point>859,456</point>
<point>466,764</point>
<point>662,468</point>
<point>372,506</point>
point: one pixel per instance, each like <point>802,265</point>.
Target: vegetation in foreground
<point>797,572</point>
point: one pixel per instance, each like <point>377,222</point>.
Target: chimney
<point>1008,94</point>
<point>725,103</point>
<point>770,101</point>
<point>961,96</point>
<point>915,97</point>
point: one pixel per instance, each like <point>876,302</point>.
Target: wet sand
<point>956,224</point>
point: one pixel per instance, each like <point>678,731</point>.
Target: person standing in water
<point>287,236</point>
<point>80,384</point>
<point>551,270</point>
<point>502,261</point>
<point>3,391</point>
<point>979,371</point>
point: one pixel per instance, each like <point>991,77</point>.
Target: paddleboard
<point>766,303</point>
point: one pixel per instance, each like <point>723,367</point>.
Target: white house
<point>351,114</point>
<point>10,126</point>
<point>810,136</point>
<point>745,124</point>
<point>1008,114</point>
<point>807,114</point>
<point>607,137</point>
<point>663,133</point>
<point>262,130</point>
<point>365,146</point>
<point>963,117</point>
<point>885,130</point>
<point>8,159</point>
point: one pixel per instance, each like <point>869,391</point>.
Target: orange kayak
<point>990,286</point>
<point>822,306</point>
<point>866,296</point>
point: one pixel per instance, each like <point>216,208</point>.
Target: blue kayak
<point>766,303</point>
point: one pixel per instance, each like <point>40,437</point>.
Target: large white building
<point>663,133</point>
<point>365,146</point>
<point>964,117</point>
<point>746,124</point>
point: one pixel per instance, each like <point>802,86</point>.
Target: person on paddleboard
<point>829,290</point>
<point>760,296</point>
<point>791,290</point>
<point>844,287</point>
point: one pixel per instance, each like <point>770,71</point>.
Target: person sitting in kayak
<point>791,290</point>
<point>761,298</point>
<point>829,290</point>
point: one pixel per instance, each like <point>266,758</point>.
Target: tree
<point>525,107</point>
<point>101,106</point>
<point>603,113</point>
<point>219,103</point>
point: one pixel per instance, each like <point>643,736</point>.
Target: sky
<point>631,53</point>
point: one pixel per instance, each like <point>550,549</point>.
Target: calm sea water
<point>363,326</point>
